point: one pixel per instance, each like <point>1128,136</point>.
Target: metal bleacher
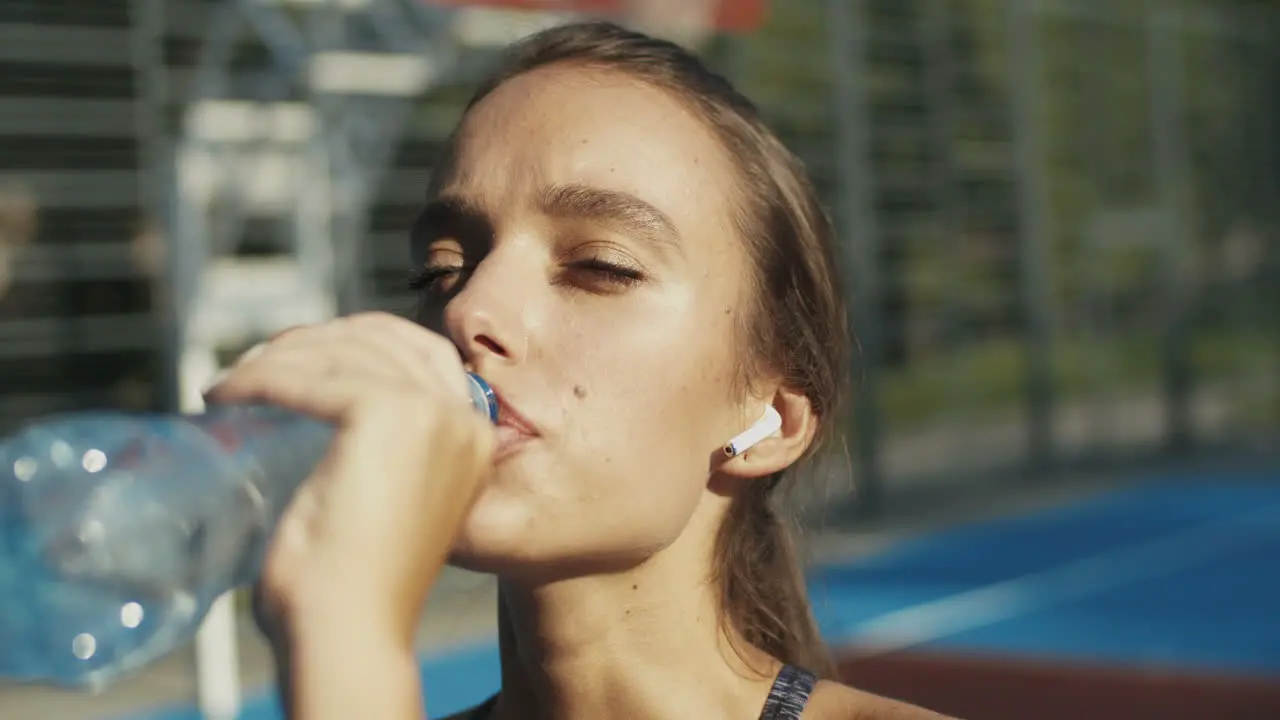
<point>76,327</point>
<point>265,136</point>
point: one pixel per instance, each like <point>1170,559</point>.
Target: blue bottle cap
<point>482,396</point>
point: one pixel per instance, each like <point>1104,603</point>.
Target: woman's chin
<point>510,541</point>
<point>498,533</point>
<point>505,560</point>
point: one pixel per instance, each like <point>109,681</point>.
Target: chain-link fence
<point>1059,223</point>
<point>1057,214</point>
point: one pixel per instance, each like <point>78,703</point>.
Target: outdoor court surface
<point>1160,600</point>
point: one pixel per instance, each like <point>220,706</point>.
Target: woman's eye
<point>591,274</point>
<point>435,278</point>
<point>608,272</point>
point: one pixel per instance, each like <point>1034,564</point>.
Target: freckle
<point>579,391</point>
<point>635,587</point>
<point>728,310</point>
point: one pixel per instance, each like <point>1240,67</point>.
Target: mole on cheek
<point>579,391</point>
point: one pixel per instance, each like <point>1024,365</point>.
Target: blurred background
<point>1059,491</point>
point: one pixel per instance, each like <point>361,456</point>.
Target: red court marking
<point>986,688</point>
<point>732,15</point>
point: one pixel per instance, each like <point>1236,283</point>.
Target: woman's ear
<point>779,448</point>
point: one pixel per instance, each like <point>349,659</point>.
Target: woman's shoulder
<point>834,701</point>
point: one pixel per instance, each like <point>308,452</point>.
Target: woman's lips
<point>514,430</point>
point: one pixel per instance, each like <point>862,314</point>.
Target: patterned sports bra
<point>789,694</point>
<point>786,701</point>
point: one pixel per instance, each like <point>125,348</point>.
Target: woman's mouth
<point>514,430</point>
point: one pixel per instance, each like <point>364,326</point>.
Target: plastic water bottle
<point>118,531</point>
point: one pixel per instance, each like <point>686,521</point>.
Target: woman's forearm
<point>346,667</point>
<point>346,650</point>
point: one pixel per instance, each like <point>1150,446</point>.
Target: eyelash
<point>611,272</point>
<point>422,278</point>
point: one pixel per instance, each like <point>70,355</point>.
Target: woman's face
<point>582,255</point>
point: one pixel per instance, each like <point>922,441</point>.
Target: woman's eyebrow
<point>453,214</point>
<point>445,209</point>
<point>623,210</point>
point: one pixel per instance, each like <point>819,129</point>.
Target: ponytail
<point>763,597</point>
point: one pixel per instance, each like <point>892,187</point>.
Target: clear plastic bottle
<point>118,531</point>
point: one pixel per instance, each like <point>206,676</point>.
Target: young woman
<point>618,244</point>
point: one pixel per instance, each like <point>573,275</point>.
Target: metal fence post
<point>860,249</point>
<point>1034,238</point>
<point>1168,138</point>
<point>156,165</point>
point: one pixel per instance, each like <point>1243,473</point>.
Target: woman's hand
<point>366,535</point>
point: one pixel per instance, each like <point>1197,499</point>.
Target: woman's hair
<point>794,328</point>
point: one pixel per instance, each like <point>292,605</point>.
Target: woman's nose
<point>487,318</point>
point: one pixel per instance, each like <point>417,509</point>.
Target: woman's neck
<point>646,643</point>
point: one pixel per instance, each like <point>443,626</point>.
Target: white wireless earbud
<point>761,429</point>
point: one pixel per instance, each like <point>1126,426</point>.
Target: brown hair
<point>796,327</point>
